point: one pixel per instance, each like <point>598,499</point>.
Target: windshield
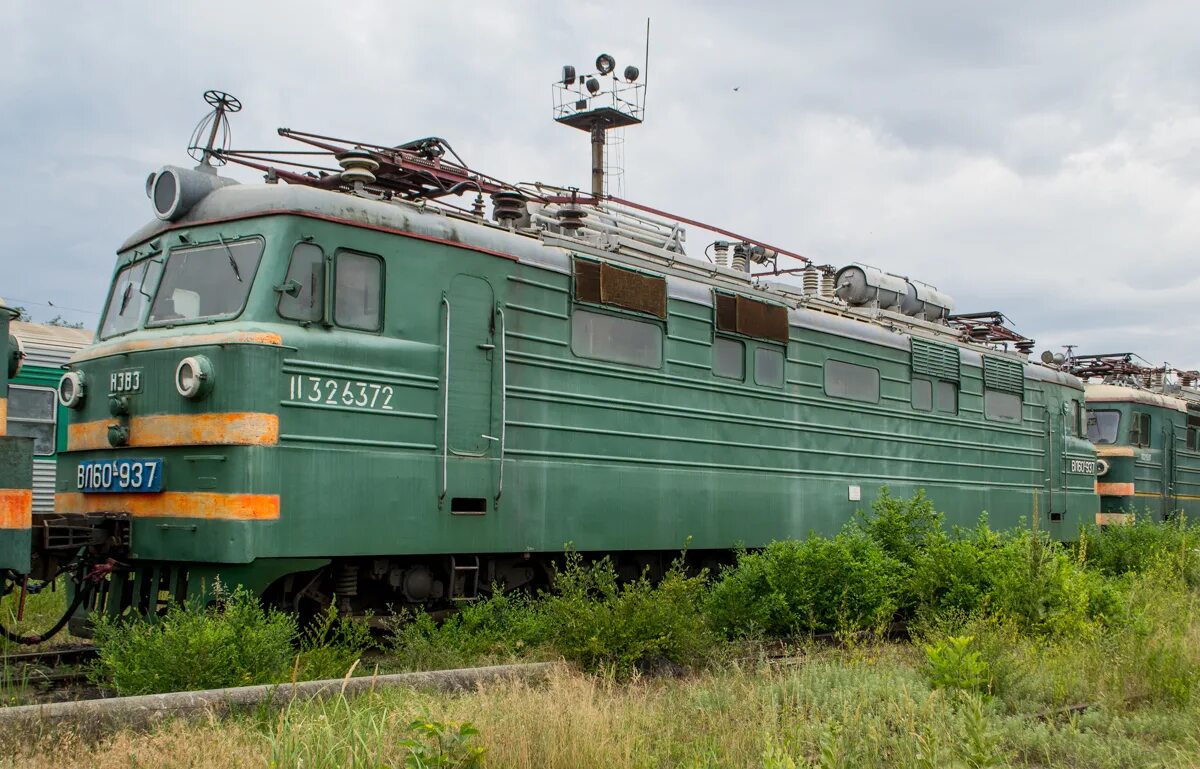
<point>1102,426</point>
<point>205,282</point>
<point>129,298</point>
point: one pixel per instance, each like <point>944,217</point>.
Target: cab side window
<point>303,290</point>
<point>1139,429</point>
<point>358,293</point>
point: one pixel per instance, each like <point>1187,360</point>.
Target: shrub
<point>500,626</point>
<point>233,643</point>
<point>953,664</point>
<point>843,584</point>
<point>1144,545</point>
<point>331,645</point>
<point>602,623</point>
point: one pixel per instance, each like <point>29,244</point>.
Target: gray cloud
<point>1028,157</point>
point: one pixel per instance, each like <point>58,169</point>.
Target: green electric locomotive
<point>1145,423</point>
<point>338,384</point>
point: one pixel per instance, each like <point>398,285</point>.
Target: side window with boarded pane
<point>602,283</point>
<point>750,317</point>
<point>922,394</point>
<point>850,381</point>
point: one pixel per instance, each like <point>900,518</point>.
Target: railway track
<point>48,668</point>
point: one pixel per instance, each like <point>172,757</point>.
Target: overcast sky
<point>1037,161</point>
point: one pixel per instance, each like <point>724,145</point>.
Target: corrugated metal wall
<point>49,345</point>
<point>43,485</point>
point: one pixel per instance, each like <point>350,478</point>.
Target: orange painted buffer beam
<point>173,504</point>
<point>227,429</point>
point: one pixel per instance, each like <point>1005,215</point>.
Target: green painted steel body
<point>1157,474</point>
<point>16,469</point>
<point>541,448</point>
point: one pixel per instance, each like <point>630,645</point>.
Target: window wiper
<point>125,297</point>
<point>232,262</point>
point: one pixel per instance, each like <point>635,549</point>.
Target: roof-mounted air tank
<point>174,191</point>
<point>861,285</point>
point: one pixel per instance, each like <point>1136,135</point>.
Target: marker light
<point>70,389</point>
<point>194,376</point>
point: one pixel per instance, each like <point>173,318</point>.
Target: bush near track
<point>1007,592</point>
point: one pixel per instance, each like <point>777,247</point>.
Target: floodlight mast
<point>597,103</point>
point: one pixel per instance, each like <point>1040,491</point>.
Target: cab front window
<point>1103,426</point>
<point>131,292</point>
<point>209,282</point>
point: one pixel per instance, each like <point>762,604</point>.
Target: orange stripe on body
<point>16,508</point>
<point>175,342</point>
<point>1114,519</point>
<point>1115,451</point>
<point>173,504</point>
<point>4,416</point>
<point>1114,489</point>
<point>232,429</point>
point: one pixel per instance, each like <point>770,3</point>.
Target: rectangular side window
<point>1191,438</point>
<point>922,395</point>
<point>357,296</point>
<point>947,397</point>
<point>729,358</point>
<point>768,366</point>
<point>617,339</point>
<point>303,291</point>
<point>32,414</point>
<point>1139,429</point>
<point>856,383</point>
<point>1193,430</point>
<point>1001,406</point>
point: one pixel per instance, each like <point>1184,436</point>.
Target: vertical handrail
<point>503,397</point>
<point>446,402</point>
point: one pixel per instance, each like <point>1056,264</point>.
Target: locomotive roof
<point>46,345</point>
<point>687,278</point>
<point>1110,393</point>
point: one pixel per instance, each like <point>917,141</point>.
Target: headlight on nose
<point>1101,467</point>
<point>194,376</point>
<point>70,389</point>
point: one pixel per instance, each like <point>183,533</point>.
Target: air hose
<point>85,585</point>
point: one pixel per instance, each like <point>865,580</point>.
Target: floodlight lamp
<point>593,85</point>
<point>605,64</point>
<point>631,73</point>
<point>568,74</point>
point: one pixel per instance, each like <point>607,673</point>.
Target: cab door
<point>1055,445</point>
<point>468,446</point>
<point>1170,499</point>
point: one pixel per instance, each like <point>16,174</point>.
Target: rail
<point>446,404</point>
<point>503,397</point>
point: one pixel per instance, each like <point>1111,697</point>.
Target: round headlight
<point>1101,466</point>
<point>16,354</point>
<point>193,376</point>
<point>70,389</point>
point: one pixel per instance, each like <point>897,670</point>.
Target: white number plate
<point>1083,466</point>
<point>119,475</point>
<point>127,380</point>
<point>340,392</point>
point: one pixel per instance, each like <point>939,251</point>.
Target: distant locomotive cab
<point>1144,422</point>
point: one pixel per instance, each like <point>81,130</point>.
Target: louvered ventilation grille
<point>1003,375</point>
<point>935,360</point>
